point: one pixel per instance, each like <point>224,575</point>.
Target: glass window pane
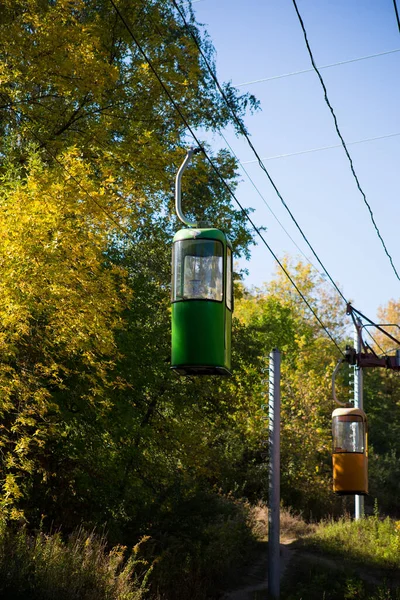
<point>348,434</point>
<point>229,278</point>
<point>197,270</point>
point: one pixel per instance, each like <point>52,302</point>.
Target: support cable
<point>255,187</point>
<point>339,364</point>
<point>216,170</point>
<point>351,310</point>
<point>337,64</point>
<point>374,340</point>
<point>260,162</point>
<point>311,150</point>
<point>397,14</point>
<point>342,140</point>
<point>266,203</point>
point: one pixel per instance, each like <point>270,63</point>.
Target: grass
<point>346,560</point>
<point>45,567</point>
<point>342,560</point>
<point>370,541</point>
<point>307,580</point>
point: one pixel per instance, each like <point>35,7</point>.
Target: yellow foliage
<point>60,301</point>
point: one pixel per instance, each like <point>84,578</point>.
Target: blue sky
<point>257,39</point>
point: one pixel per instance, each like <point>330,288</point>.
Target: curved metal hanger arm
<point>342,360</point>
<point>178,188</point>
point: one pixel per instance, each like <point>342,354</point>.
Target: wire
<point>351,309</point>
<point>260,194</point>
<point>374,340</point>
<point>337,64</point>
<point>266,203</point>
<point>388,352</point>
<point>373,139</point>
<point>342,140</point>
<point>397,14</point>
<point>244,212</point>
<point>244,132</point>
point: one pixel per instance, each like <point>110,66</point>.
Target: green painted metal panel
<point>199,335</point>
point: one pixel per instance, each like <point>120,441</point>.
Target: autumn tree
<point>90,143</point>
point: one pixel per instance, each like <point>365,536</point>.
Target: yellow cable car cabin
<point>350,451</point>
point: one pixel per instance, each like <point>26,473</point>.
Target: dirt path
<point>254,584</point>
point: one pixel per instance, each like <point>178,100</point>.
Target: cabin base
<point>200,370</point>
<point>352,493</point>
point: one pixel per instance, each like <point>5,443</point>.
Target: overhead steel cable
<point>351,310</point>
<point>259,159</point>
<point>336,64</point>
<point>374,340</point>
<point>255,187</point>
<point>216,170</point>
<point>274,256</point>
<point>397,14</point>
<point>342,139</point>
<point>266,203</point>
<point>373,139</point>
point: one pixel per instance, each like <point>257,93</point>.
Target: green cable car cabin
<point>202,302</point>
<point>350,451</point>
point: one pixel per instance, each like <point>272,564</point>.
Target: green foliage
<point>43,567</point>
<point>207,539</point>
<point>381,393</point>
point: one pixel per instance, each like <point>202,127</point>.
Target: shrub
<point>208,541</point>
<point>292,525</point>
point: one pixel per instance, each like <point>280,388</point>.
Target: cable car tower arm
<point>371,359</point>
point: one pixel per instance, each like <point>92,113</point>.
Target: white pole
<point>358,403</point>
<point>274,475</point>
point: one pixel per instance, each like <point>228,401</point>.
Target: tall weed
<point>44,567</point>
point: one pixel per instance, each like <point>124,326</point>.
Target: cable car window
<point>197,270</point>
<point>348,434</point>
<point>229,288</point>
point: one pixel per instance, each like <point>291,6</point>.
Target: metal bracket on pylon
<point>369,358</point>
